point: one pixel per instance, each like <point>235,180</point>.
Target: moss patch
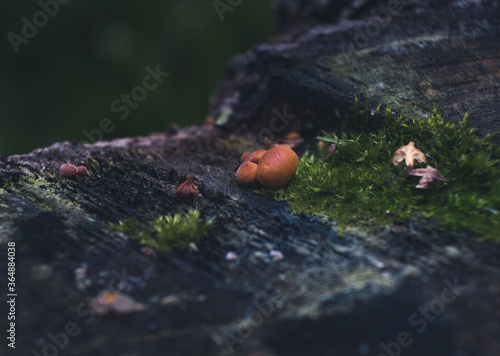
<point>167,232</point>
<point>360,182</point>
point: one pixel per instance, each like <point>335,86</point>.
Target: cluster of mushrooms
<point>273,168</point>
<point>70,171</point>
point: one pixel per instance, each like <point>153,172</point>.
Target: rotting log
<point>330,295</point>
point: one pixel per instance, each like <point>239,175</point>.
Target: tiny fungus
<point>81,171</point>
<point>187,190</point>
<point>292,136</point>
<point>408,153</point>
<point>68,170</point>
<point>277,167</point>
<point>210,121</point>
<point>245,156</point>
<point>247,173</point>
<point>256,156</point>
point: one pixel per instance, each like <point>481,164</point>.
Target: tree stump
<point>409,289</point>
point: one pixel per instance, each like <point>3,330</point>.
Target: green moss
<point>359,182</point>
<point>167,232</point>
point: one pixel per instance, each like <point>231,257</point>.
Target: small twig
<point>332,149</point>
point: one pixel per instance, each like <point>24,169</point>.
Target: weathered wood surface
<point>416,54</point>
<point>330,295</point>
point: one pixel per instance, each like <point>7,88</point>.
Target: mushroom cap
<point>68,170</point>
<point>257,155</point>
<point>292,136</point>
<point>277,167</point>
<point>247,173</point>
<point>245,156</point>
<point>81,170</point>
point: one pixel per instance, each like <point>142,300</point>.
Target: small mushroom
<point>210,121</point>
<point>247,173</point>
<point>68,170</point>
<point>81,171</point>
<point>277,167</point>
<point>288,143</point>
<point>187,190</point>
<point>245,156</point>
<point>256,156</point>
<point>292,136</point>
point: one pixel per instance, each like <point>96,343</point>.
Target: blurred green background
<point>91,52</point>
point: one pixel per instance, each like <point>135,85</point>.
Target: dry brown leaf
<point>408,153</point>
<point>429,176</point>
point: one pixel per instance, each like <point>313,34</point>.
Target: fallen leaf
<point>429,176</point>
<point>408,153</point>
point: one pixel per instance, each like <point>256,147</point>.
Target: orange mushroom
<point>247,173</point>
<point>81,170</point>
<point>292,136</point>
<point>277,167</point>
<point>245,156</point>
<point>68,170</point>
<point>256,155</point>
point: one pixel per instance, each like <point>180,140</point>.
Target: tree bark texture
<point>411,288</point>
